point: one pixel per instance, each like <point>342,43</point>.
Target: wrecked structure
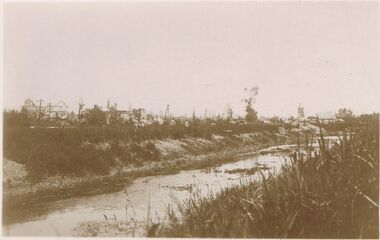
<point>40,110</point>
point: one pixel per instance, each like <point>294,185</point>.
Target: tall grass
<point>331,194</point>
<point>75,151</point>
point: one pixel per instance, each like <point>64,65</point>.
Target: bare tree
<point>229,112</point>
<point>344,113</point>
<point>95,116</point>
<point>249,100</point>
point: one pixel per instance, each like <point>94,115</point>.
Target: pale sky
<point>324,55</point>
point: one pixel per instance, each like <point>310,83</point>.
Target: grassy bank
<point>175,155</point>
<point>332,194</point>
<point>76,151</point>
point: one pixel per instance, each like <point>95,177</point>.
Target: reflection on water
<point>156,191</point>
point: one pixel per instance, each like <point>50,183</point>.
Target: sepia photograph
<point>190,119</point>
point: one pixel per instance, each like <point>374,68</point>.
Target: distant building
<point>139,114</point>
<point>158,120</point>
<point>125,115</point>
<point>312,119</point>
<point>45,111</point>
<point>72,117</point>
<point>30,108</point>
<point>326,117</point>
<point>301,113</point>
<point>58,110</point>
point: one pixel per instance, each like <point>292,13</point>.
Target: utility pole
<point>80,110</point>
<point>49,110</point>
<point>39,109</point>
<point>108,104</point>
<point>166,112</point>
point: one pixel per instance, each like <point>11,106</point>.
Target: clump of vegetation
<point>332,194</point>
<point>248,171</point>
<point>73,151</point>
<point>249,100</point>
